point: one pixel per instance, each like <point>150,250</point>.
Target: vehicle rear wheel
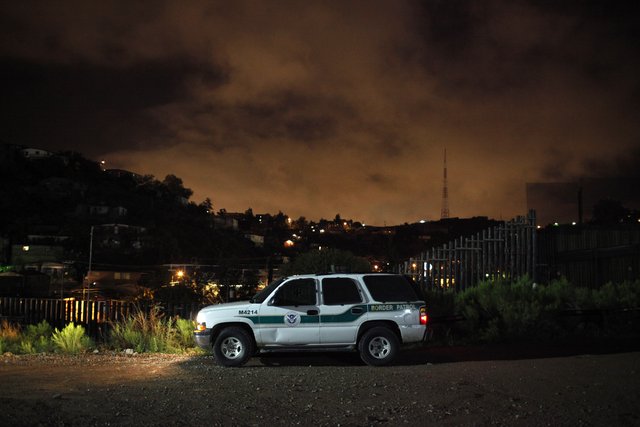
<point>233,347</point>
<point>378,346</point>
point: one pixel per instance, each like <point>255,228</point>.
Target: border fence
<point>95,315</point>
<point>590,256</point>
<point>506,251</point>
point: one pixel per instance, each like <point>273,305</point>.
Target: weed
<point>152,333</point>
<point>9,331</point>
<point>71,339</point>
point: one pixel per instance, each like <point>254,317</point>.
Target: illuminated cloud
<point>318,108</point>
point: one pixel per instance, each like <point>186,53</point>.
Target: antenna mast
<point>444,212</point>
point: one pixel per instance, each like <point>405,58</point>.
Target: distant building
<point>224,221</point>
<point>567,202</point>
<point>119,173</point>
<point>35,153</point>
<point>63,187</point>
<point>101,211</point>
<point>109,284</point>
<point>30,255</point>
<point>257,239</point>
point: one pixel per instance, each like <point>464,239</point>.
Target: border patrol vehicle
<point>371,313</point>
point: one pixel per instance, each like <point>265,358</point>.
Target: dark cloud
<point>89,107</point>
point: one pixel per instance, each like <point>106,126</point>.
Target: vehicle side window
<point>296,292</point>
<point>385,288</point>
<point>340,290</point>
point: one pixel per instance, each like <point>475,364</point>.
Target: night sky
<point>315,108</point>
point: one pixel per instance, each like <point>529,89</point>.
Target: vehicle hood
<point>225,306</point>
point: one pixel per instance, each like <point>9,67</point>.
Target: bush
<point>152,333</point>
<point>71,339</point>
<point>185,330</point>
<point>503,311</point>
<point>37,338</point>
<point>9,337</point>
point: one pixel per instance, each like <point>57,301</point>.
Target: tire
<point>233,347</point>
<point>378,346</point>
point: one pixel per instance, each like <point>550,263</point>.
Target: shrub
<point>503,311</point>
<point>9,331</point>
<point>71,339</point>
<point>185,330</point>
<point>152,333</point>
<point>37,338</point>
<point>9,337</point>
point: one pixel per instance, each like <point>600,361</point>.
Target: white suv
<point>373,313</point>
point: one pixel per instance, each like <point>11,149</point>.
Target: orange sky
<point>319,108</point>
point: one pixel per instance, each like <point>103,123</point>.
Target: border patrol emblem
<point>292,319</point>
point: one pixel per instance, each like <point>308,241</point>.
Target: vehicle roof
<point>320,275</point>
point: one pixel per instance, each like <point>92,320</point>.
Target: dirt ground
<point>451,386</point>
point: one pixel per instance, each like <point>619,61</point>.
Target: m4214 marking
<point>244,312</point>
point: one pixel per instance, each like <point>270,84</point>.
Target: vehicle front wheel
<point>378,346</point>
<point>233,347</point>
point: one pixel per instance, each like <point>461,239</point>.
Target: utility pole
<point>444,212</point>
<point>89,272</point>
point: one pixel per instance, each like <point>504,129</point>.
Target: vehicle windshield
<point>263,294</point>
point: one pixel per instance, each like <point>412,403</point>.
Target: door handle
<point>312,312</point>
<point>356,310</point>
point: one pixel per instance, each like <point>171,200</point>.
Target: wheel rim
<point>231,348</point>
<point>379,347</point>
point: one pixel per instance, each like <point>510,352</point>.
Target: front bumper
<point>203,338</point>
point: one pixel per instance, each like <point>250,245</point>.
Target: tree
<point>207,205</point>
<point>175,187</point>
<point>609,211</point>
<point>325,261</point>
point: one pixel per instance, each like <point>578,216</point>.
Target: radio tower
<point>444,212</point>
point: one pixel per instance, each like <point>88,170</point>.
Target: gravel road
<point>423,388</point>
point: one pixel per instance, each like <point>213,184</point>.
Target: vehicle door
<point>342,310</point>
<point>290,316</point>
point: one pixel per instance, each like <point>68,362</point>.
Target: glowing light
<point>180,274</point>
<point>25,248</point>
<point>288,244</point>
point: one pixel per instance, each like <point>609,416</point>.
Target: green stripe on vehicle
<point>346,316</point>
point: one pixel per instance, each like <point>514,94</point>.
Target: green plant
<point>42,329</point>
<point>9,331</point>
<point>185,330</point>
<point>27,347</point>
<point>72,339</point>
<point>9,337</point>
<point>37,338</point>
<point>151,332</point>
<point>503,311</point>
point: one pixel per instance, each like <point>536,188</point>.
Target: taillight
<point>423,315</point>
